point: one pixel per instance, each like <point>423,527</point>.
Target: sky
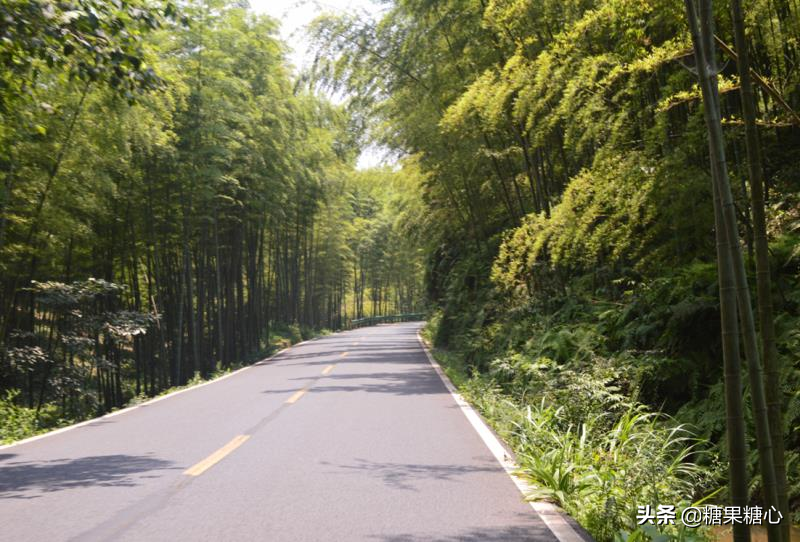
<point>294,15</point>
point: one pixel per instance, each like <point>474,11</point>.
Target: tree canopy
<point>565,151</point>
<point>174,202</point>
<point>594,201</point>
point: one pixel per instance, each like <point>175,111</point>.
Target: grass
<point>588,449</point>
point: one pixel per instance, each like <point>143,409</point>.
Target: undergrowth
<point>587,349</point>
<point>583,442</point>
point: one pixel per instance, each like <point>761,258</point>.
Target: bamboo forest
<point>593,204</point>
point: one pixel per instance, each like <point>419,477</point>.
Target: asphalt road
<point>349,437</point>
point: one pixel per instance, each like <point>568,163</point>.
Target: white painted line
<point>151,401</point>
<point>549,513</point>
<point>134,407</point>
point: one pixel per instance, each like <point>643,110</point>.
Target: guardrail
<point>375,320</point>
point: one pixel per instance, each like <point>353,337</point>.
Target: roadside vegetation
<point>611,189</point>
<point>598,201</point>
<point>174,203</point>
<point>19,422</point>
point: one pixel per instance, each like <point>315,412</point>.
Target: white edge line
<point>550,514</point>
<point>149,402</point>
<point>153,400</point>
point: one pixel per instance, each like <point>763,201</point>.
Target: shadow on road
<point>371,353</point>
<point>526,530</point>
<point>29,479</point>
<point>406,475</point>
<point>422,381</point>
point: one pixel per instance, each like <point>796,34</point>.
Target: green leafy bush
<point>16,422</point>
<point>587,446</point>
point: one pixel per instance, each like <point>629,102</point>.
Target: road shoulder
<point>563,527</point>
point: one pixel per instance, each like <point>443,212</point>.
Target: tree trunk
<point>702,37</point>
<point>763,281</point>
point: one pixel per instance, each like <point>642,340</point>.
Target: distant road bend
<point>346,438</point>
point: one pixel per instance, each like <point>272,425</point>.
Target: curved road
<point>349,437</point>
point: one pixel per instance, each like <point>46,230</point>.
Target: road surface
<point>346,438</point>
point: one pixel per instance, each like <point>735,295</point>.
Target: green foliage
<point>549,191</point>
<point>171,197</point>
<point>588,448</point>
<point>610,217</point>
<point>94,41</point>
<point>16,422</point>
<point>597,352</point>
<point>562,148</point>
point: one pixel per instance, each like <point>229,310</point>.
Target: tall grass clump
<point>598,455</point>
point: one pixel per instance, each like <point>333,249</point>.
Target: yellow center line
<point>297,395</point>
<point>344,354</point>
<point>327,370</point>
<point>216,457</point>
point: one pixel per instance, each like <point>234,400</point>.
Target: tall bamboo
<point>734,409</point>
<point>763,281</point>
<point>702,38</point>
